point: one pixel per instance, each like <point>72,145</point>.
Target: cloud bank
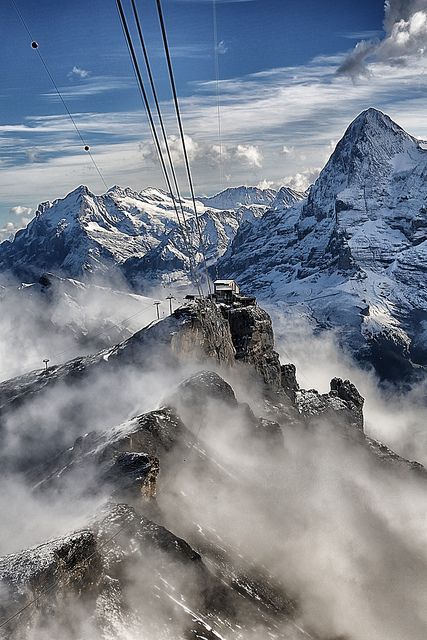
<point>405,26</point>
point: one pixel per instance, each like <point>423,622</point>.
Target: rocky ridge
<point>81,580</point>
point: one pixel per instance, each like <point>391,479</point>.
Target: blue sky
<point>283,104</point>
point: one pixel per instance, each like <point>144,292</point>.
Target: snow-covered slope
<point>353,255</point>
<point>88,233</point>
<point>85,234</point>
<point>235,197</point>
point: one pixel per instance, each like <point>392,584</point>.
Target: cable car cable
<point>35,46</point>
<point>162,126</point>
<point>181,130</point>
<point>137,70</point>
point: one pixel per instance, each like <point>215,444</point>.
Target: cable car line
<point>163,130</point>
<point>35,46</point>
<point>156,101</point>
<point>218,97</point>
<point>137,70</point>
<point>181,131</point>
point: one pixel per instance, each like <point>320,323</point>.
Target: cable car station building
<point>228,292</point>
<point>225,290</point>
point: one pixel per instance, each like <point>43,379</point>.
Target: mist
<point>319,519</point>
<point>341,534</point>
<point>59,319</point>
<point>397,418</point>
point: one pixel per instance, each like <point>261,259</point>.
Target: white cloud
<point>302,180</point>
<point>405,25</point>
<point>250,153</point>
<point>406,37</point>
<point>362,35</point>
<point>8,230</point>
<point>91,86</point>
<point>78,72</point>
<point>203,152</point>
<point>266,184</point>
<point>19,210</point>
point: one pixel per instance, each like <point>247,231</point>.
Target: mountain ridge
<point>352,255</point>
<point>83,234</point>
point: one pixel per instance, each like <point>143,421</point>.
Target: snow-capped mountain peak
<point>136,232</point>
<point>358,243</point>
<point>235,197</point>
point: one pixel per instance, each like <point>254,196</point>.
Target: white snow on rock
<point>353,254</point>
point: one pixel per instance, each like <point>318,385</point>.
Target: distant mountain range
<point>84,234</point>
<point>351,254</point>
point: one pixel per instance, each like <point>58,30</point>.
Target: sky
<point>292,76</point>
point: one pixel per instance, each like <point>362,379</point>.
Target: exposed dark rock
<point>84,579</point>
<point>252,334</point>
<point>288,380</point>
<point>199,389</point>
<point>58,574</point>
<point>345,390</point>
<point>123,460</point>
<point>342,406</point>
<point>385,455</point>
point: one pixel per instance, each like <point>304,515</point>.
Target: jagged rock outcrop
<point>288,380</point>
<point>153,565</point>
<point>196,392</point>
<point>253,339</point>
<point>342,406</point>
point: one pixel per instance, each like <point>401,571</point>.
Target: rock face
<point>70,567</point>
<point>342,406</point>
<point>252,335</point>
<point>351,255</point>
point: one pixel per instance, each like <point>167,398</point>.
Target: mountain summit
<point>353,254</point>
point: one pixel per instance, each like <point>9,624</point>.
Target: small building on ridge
<point>226,290</point>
